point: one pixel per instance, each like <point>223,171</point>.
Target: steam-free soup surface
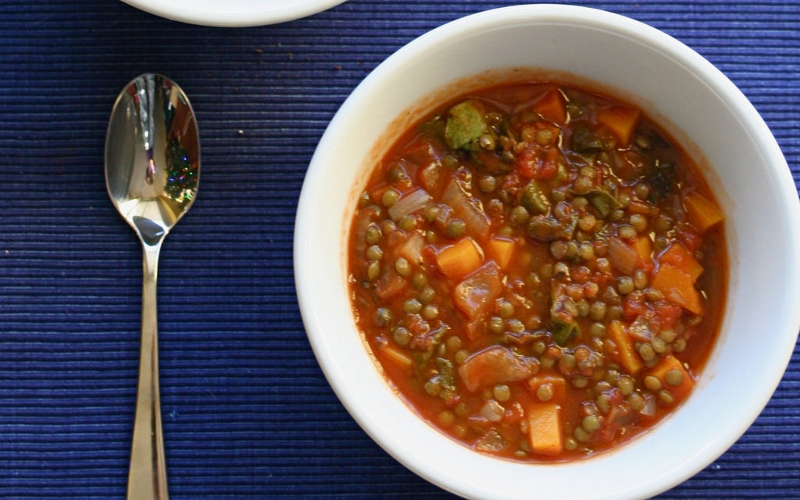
<point>539,270</point>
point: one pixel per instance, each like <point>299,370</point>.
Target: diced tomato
<point>513,414</point>
<point>512,182</point>
<point>537,163</point>
<point>690,239</point>
<point>420,152</point>
<point>389,286</point>
<point>666,313</point>
<point>632,308</point>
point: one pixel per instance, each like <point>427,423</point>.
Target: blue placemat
<point>247,412</point>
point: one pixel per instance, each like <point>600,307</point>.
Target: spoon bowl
<point>152,170</point>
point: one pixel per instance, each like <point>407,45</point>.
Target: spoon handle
<point>147,477</point>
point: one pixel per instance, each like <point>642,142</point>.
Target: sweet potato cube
<point>457,261</point>
<point>677,287</point>
<point>676,255</point>
<point>621,121</point>
<point>552,107</point>
<point>557,387</point>
<point>544,429</point>
<point>701,212</point>
<point>673,376</point>
<point>501,250</point>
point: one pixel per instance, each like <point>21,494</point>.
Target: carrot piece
<point>677,287</point>
<point>544,429</point>
<point>640,207</point>
<point>701,212</point>
<point>644,249</point>
<point>621,121</point>
<point>396,357</point>
<point>552,107</point>
<point>678,384</point>
<point>457,261</point>
<point>557,383</point>
<point>626,353</point>
<point>502,250</point>
<point>679,257</point>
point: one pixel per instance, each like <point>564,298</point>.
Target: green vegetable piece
<point>562,174</point>
<point>603,201</point>
<point>447,373</point>
<point>585,141</point>
<point>563,320</point>
<point>535,199</point>
<point>434,127</point>
<point>563,331</point>
<point>466,123</point>
<point>547,228</point>
<point>661,179</point>
<point>429,340</point>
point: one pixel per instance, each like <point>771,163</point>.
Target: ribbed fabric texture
<point>247,412</point>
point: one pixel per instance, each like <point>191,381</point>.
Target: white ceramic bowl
<point>233,13</point>
<point>670,81</point>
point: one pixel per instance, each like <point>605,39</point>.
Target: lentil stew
<point>539,270</point>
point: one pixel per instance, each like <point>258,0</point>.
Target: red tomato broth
<point>469,328</point>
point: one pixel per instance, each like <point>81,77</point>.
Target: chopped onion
<point>365,218</point>
<point>622,257</point>
<point>466,209</point>
<point>492,411</point>
<point>411,249</point>
<point>492,441</point>
<point>410,203</point>
<point>649,408</point>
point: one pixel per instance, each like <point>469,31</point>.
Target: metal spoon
<point>152,165</point>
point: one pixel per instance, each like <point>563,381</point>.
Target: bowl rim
<point>593,18</point>
<point>233,13</point>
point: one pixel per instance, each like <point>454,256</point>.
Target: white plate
<point>233,13</point>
